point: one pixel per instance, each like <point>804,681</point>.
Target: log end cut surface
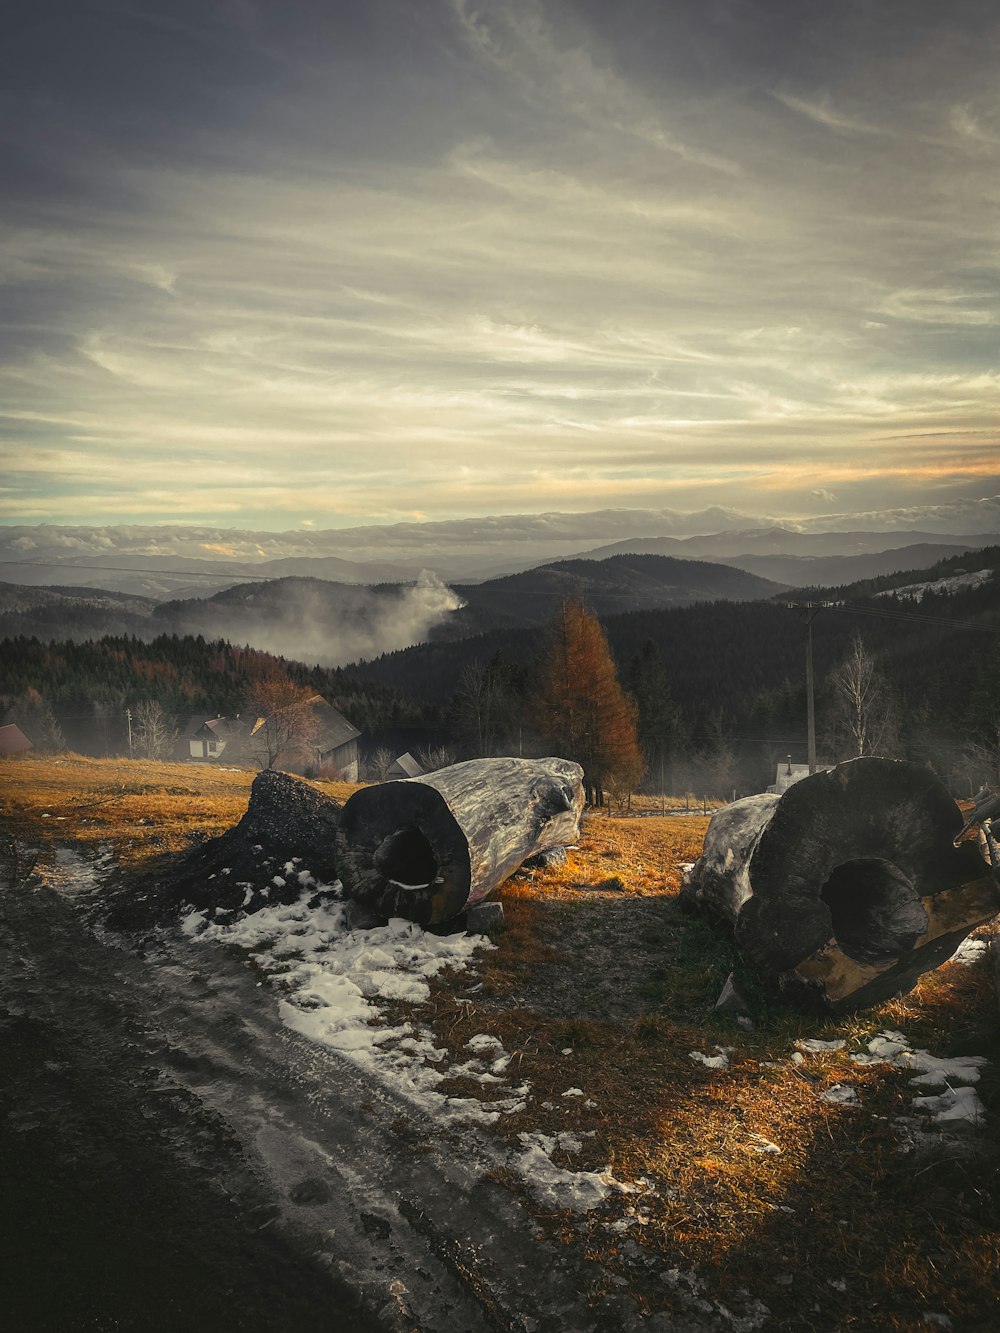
<point>426,848</point>
<point>850,882</point>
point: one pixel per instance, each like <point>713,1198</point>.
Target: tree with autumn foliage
<point>284,720</point>
<point>581,709</point>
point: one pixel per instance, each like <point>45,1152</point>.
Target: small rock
<point>731,999</point>
<point>552,856</point>
<point>485,919</point>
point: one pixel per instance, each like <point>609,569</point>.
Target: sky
<point>330,262</point>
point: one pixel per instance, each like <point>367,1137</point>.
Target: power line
<point>151,573</point>
<point>886,613</point>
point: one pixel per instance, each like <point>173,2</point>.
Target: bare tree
<point>153,734</point>
<point>286,721</point>
<point>378,764</point>
<point>434,757</point>
<point>483,705</point>
<point>36,719</point>
<point>863,704</point>
<point>982,754</point>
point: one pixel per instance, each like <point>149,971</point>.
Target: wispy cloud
<point>823,112</point>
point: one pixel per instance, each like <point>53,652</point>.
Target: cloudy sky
<point>328,262</point>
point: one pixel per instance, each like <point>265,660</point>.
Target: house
<point>13,740</point>
<point>404,766</point>
<point>789,773</point>
<point>206,738</point>
<point>327,744</point>
<point>308,736</point>
<point>335,742</point>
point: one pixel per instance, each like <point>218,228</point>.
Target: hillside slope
<point>608,587</point>
<point>71,612</point>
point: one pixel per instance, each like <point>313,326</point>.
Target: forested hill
<point>743,663</point>
<point>607,586</point>
<point>87,686</point>
<point>953,575</point>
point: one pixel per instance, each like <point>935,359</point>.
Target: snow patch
<point>333,982</point>
<point>841,1094</point>
<point>970,951</point>
<point>720,1061</point>
<point>816,1047</point>
<point>915,592</point>
<point>554,1187</point>
<point>959,1104</point>
<point>954,1105</point>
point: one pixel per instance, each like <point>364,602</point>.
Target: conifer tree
<point>581,709</point>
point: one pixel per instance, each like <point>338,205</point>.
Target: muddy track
<point>180,1160</point>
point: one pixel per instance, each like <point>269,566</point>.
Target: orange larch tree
<point>581,709</point>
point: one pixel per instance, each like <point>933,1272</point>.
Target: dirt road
<point>173,1158</point>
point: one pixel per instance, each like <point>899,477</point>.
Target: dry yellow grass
<point>139,806</point>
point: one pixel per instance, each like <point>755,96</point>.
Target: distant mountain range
<point>800,559</point>
<point>334,623</point>
<point>185,560</point>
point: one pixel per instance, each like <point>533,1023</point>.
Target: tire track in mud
<point>210,1168</point>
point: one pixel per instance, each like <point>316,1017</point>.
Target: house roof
<point>406,763</point>
<point>334,729</point>
<point>13,740</point>
<point>227,728</point>
<point>787,770</point>
<point>191,728</point>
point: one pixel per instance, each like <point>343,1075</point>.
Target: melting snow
<point>551,1185</point>
<point>332,982</point>
<point>720,1061</point>
<point>956,583</point>
<point>333,979</point>
<point>955,1103</point>
<point>759,1144</point>
<point>842,1094</point>
<point>970,951</point>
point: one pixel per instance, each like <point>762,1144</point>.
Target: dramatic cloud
<point>379,261</point>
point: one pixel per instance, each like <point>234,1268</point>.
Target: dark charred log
<point>850,882</point>
<point>427,848</point>
<point>286,819</point>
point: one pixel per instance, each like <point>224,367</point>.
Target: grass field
<point>834,1216</point>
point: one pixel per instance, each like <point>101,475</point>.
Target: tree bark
<point>849,884</point>
<point>426,848</point>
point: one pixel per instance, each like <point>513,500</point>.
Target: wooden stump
<point>849,883</point>
<point>426,848</point>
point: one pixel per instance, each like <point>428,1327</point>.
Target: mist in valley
<point>315,621</point>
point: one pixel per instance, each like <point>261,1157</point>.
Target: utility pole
<point>812,609</point>
<point>128,717</point>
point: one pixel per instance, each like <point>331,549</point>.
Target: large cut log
<point>849,883</point>
<point>426,848</point>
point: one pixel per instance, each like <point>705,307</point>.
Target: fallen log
<point>849,884</point>
<point>427,848</point>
